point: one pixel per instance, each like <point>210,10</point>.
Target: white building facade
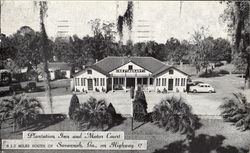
<point>123,73</point>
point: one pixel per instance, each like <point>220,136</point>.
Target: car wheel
<point>194,91</point>
<point>210,91</point>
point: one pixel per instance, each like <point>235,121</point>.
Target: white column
<point>125,83</point>
<point>112,84</point>
<point>148,80</point>
<point>136,83</point>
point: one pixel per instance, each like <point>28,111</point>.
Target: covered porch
<point>126,83</point>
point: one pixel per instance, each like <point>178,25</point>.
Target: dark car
<point>31,87</point>
<point>15,87</point>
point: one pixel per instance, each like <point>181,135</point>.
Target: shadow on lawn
<point>201,144</point>
<point>44,121</point>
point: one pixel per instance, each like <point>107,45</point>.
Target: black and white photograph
<point>124,76</point>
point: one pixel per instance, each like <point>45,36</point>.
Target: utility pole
<point>1,4</point>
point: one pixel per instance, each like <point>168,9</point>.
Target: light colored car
<point>202,87</point>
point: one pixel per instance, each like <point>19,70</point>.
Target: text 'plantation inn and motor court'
<point>122,73</point>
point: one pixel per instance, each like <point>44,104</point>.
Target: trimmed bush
<point>73,107</point>
<point>237,110</point>
<point>140,106</point>
<point>223,71</point>
<point>165,90</point>
<point>209,74</point>
<point>174,114</point>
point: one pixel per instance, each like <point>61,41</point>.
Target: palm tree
<point>94,113</point>
<point>43,7</point>
<point>22,109</point>
<point>237,110</point>
<point>174,114</point>
<point>127,19</point>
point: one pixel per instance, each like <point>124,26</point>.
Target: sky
<point>163,18</point>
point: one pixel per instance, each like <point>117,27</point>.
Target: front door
<point>90,84</point>
<point>170,84</point>
<point>130,82</point>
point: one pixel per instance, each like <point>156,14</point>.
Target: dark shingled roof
<point>113,62</point>
<point>110,63</point>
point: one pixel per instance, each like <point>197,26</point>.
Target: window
<point>120,80</point>
<point>158,82</point>
<point>97,81</point>
<point>145,80</point>
<point>164,80</point>
<point>78,81</point>
<point>115,80</point>
<point>151,81</point>
<point>89,71</point>
<point>130,67</point>
<point>171,71</point>
<point>82,80</point>
<point>103,81</point>
<point>177,81</point>
<point>184,81</point>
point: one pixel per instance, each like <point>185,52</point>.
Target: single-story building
<point>58,70</point>
<point>122,73</point>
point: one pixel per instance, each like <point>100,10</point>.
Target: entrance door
<point>90,84</point>
<point>130,82</point>
<point>170,84</point>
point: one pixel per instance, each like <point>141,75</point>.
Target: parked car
<point>15,87</point>
<point>192,83</point>
<point>202,87</point>
<point>31,87</point>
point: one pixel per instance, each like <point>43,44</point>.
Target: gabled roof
<point>108,64</point>
<point>166,68</point>
<point>111,63</point>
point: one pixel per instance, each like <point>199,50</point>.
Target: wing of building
<point>122,73</point>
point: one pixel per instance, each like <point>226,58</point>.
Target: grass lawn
<point>214,134</point>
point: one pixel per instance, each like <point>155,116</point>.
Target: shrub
<point>103,89</point>
<point>97,90</point>
<point>22,109</point>
<point>209,74</point>
<point>175,115</point>
<point>165,90</point>
<point>74,106</point>
<point>237,110</point>
<point>140,106</point>
<point>94,113</point>
<point>223,71</point>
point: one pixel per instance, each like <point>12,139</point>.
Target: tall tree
<point>202,49</point>
<point>237,17</point>
<point>27,45</point>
